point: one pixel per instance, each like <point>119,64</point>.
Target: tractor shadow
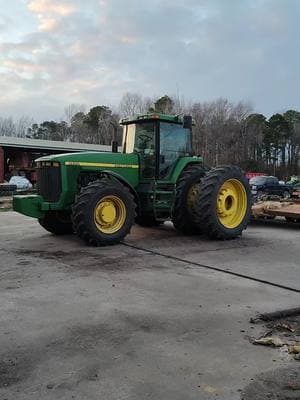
<point>278,223</point>
<point>166,239</point>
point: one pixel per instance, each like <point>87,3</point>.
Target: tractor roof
<point>150,117</point>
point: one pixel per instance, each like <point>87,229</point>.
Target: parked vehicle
<point>156,178</point>
<point>268,185</point>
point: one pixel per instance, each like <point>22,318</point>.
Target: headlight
<point>47,164</point>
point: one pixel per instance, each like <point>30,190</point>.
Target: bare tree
<point>16,128</point>
<point>132,104</point>
<point>218,130</point>
<point>73,109</point>
<point>22,125</point>
<point>7,127</point>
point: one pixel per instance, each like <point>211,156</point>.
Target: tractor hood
<point>125,166</point>
<point>94,159</point>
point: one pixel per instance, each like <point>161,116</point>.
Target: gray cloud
<point>205,49</point>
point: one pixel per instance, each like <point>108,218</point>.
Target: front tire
<point>57,222</point>
<point>223,208</point>
<point>103,212</point>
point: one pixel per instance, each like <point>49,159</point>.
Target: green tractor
<point>155,178</point>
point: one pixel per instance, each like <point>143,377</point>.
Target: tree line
<point>224,132</point>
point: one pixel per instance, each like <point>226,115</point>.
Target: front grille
<point>49,183</point>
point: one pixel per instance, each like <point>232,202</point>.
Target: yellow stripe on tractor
<point>105,165</point>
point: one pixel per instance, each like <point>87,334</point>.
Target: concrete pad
<point>119,323</point>
<point>268,250</point>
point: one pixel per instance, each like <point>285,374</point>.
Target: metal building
<point>18,154</point>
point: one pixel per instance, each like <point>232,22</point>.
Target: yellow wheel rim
<point>232,203</point>
<point>110,214</point>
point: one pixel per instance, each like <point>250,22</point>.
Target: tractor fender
<point>183,164</point>
<point>121,179</point>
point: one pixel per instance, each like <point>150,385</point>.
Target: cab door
<point>146,147</point>
<point>175,142</point>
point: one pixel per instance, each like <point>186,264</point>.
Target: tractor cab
<point>159,140</point>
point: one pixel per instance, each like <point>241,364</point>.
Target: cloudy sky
<point>57,52</point>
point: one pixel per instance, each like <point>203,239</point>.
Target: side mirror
<point>187,122</point>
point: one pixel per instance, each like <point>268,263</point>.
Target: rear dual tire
<point>223,208</point>
<point>216,203</point>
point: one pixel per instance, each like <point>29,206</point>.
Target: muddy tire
<point>58,223</point>
<point>187,189</point>
<point>103,212</point>
<point>223,208</point>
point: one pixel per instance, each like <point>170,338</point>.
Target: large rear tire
<point>103,212</point>
<point>57,222</point>
<point>187,190</point>
<point>223,208</point>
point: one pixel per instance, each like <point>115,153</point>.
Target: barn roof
<point>9,141</point>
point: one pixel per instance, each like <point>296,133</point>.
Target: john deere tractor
<point>155,178</point>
